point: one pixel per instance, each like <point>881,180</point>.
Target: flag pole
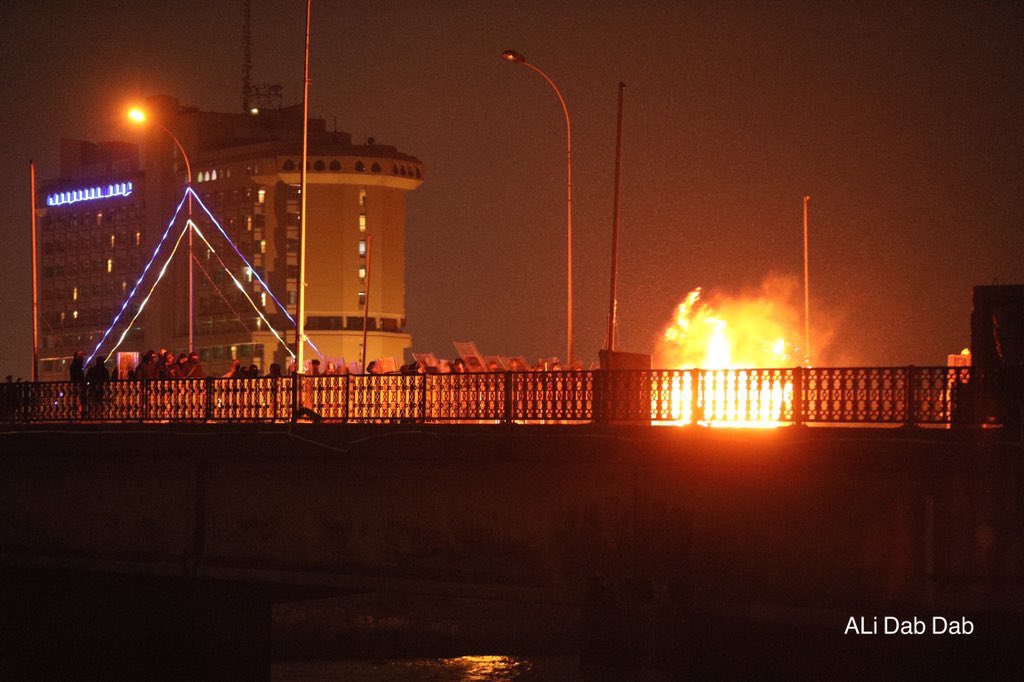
<point>35,277</point>
<point>807,293</point>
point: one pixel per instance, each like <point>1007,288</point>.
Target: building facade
<point>106,231</point>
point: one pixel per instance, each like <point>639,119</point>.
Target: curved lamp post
<point>513,56</point>
<point>139,117</point>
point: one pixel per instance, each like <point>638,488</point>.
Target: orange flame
<point>723,343</point>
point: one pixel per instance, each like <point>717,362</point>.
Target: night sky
<point>903,121</point>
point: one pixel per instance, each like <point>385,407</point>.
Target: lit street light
<point>513,56</point>
<point>138,116</point>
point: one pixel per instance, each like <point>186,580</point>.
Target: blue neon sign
<point>118,189</point>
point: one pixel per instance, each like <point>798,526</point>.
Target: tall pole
<point>807,294</point>
<point>613,303</point>
<point>35,277</point>
<point>139,116</point>
<point>366,297</point>
<point>513,56</point>
<point>191,273</point>
<point>300,316</point>
<point>191,256</point>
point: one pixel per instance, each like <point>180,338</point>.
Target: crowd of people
<point>153,365</point>
<point>457,366</point>
<point>166,365</point>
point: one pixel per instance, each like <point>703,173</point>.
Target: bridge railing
<point>847,395</point>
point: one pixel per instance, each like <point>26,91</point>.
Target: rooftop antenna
<point>255,96</point>
<point>246,55</point>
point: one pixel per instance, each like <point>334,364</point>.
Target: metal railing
<point>851,395</point>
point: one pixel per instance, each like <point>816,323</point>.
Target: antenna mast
<point>246,54</point>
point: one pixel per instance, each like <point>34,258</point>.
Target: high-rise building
<point>102,220</point>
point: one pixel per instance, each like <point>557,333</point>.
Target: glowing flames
<point>730,342</point>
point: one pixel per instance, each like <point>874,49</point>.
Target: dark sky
<point>903,121</point>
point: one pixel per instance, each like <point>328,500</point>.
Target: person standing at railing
<point>236,371</point>
<point>194,370</point>
<point>96,380</point>
<point>77,374</point>
<point>98,374</point>
<point>147,366</point>
<point>77,369</point>
<point>169,368</point>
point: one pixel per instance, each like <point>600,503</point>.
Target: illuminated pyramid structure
<point>181,225</point>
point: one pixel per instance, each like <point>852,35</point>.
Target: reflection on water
<point>462,669</point>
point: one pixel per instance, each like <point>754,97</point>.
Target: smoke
<point>759,327</point>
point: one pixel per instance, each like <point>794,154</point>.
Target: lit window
<point>263,246</point>
<point>248,223</point>
<point>74,294</point>
<point>112,241</point>
<point>99,217</point>
<point>362,223</point>
<point>248,274</point>
<point>263,299</point>
<point>62,316</point>
<point>362,273</point>
<point>362,197</point>
<point>362,298</point>
<point>124,287</point>
<point>261,196</point>
<point>213,175</point>
<point>74,315</point>
<point>138,238</point>
<point>362,247</point>
<point>110,265</point>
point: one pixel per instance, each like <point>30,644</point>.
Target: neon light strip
<point>259,279</point>
<point>217,288</point>
<point>138,282</point>
<point>228,270</point>
<point>120,189</point>
<point>242,289</point>
<point>247,263</point>
<point>142,306</point>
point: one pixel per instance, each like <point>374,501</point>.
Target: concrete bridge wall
<point>795,529</point>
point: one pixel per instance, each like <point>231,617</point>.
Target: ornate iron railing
<point>850,395</point>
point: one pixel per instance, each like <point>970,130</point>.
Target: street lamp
<point>513,56</point>
<point>138,116</point>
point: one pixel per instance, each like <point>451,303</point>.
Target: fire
<point>728,343</point>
